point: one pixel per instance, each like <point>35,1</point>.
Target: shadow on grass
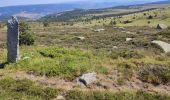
<point>2,65</point>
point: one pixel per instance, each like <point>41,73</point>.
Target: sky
<point>27,2</point>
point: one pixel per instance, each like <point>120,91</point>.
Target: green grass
<point>138,19</point>
<point>61,62</point>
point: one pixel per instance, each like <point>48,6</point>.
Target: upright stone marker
<point>13,40</point>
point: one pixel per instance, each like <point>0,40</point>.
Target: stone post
<point>13,40</point>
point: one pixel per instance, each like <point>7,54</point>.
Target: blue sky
<point>27,2</point>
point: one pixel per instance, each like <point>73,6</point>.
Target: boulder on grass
<point>161,26</point>
<point>87,79</point>
<point>81,38</point>
<point>99,30</point>
<point>165,46</point>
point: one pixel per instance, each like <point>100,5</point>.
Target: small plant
<point>149,22</point>
<point>150,17</point>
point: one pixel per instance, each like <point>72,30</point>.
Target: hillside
<point>38,11</point>
<point>90,14</point>
<point>116,53</point>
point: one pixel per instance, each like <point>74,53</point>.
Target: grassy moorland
<point>145,18</point>
<point>126,70</point>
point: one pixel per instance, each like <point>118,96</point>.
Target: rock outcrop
<point>161,26</point>
<point>165,46</point>
<point>87,79</point>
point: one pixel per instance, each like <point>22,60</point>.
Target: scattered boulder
<point>81,38</point>
<point>128,32</point>
<point>140,31</point>
<point>99,30</point>
<point>115,47</point>
<point>121,28</point>
<point>165,46</point>
<point>123,31</point>
<point>115,27</point>
<point>60,97</point>
<point>128,39</point>
<point>87,79</point>
<point>161,26</point>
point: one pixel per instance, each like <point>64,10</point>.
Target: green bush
<point>27,37</point>
<point>154,74</point>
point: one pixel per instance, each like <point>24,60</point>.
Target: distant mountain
<point>162,2</point>
<point>37,11</point>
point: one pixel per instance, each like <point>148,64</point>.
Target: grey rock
<point>115,47</point>
<point>13,40</point>
<point>60,97</point>
<point>128,39</point>
<point>99,30</point>
<point>128,32</point>
<point>87,79</point>
<point>165,46</point>
<point>81,38</point>
<point>121,28</point>
<point>115,27</point>
<point>161,26</point>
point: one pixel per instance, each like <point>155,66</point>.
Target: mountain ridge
<point>37,11</point>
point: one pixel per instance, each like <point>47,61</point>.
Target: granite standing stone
<point>13,40</point>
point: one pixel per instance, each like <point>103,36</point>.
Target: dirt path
<point>104,84</point>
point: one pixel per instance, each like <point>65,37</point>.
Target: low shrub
<point>71,63</point>
<point>150,17</point>
<point>154,74</point>
<point>26,88</point>
<point>27,38</point>
<point>125,53</point>
<point>126,69</point>
<point>127,21</point>
<point>62,62</point>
